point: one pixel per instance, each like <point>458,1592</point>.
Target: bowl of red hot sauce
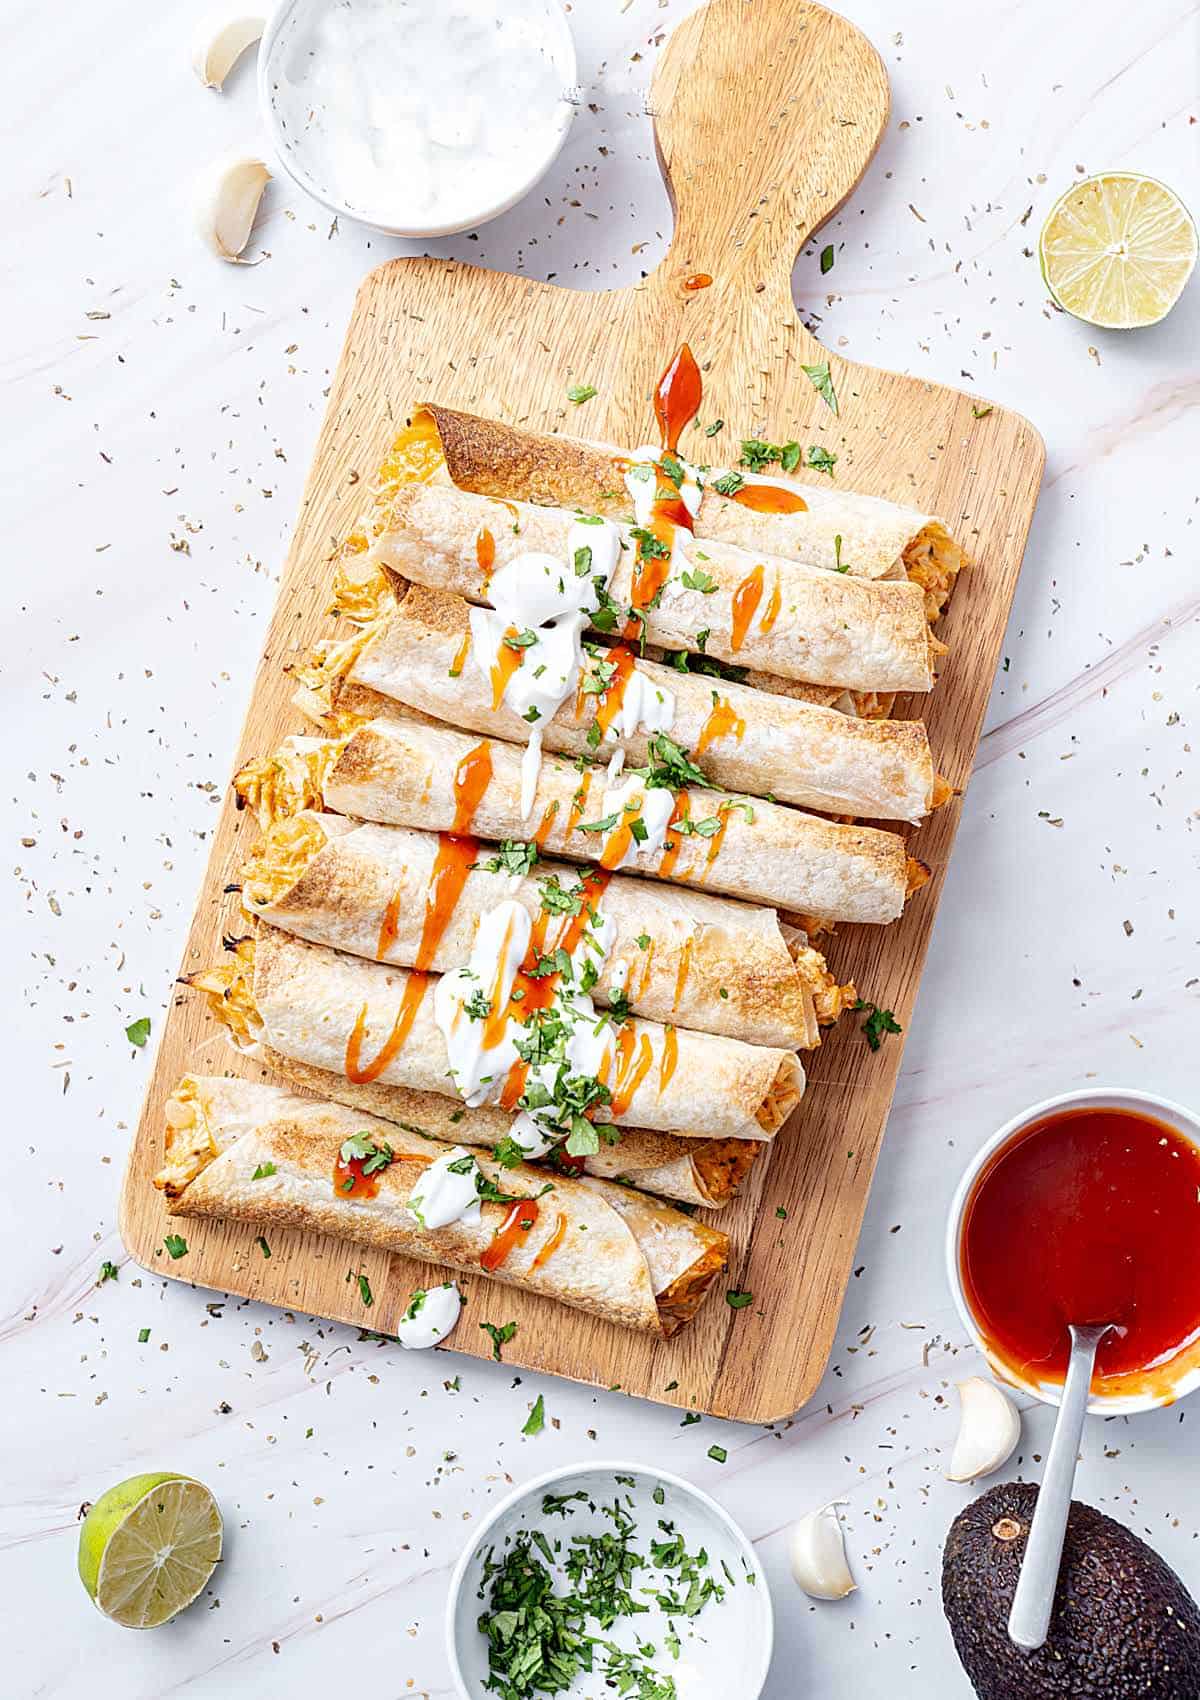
<point>1085,1208</point>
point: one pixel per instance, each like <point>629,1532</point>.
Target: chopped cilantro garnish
<point>737,1300</point>
<point>826,261</point>
<point>514,857</point>
<point>500,1336</point>
<point>263,1171</point>
<point>176,1246</point>
<point>138,1031</point>
<point>821,381</point>
<point>820,459</point>
<point>108,1272</point>
<point>649,546</point>
<point>697,580</point>
<point>728,484</point>
<point>840,565</point>
<point>717,425</point>
<point>579,393</point>
<point>878,1022</point>
<point>536,1421</point>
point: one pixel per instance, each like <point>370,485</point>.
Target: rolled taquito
<point>878,539</point>
<point>705,1172</point>
<point>418,652</point>
<point>410,773</point>
<point>416,899</point>
<point>757,610</point>
<point>238,1151</point>
<point>370,1022</point>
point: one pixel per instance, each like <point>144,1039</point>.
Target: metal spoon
<point>1029,1619</point>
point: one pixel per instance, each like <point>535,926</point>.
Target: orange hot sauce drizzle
<point>746,599</point>
<point>684,969</point>
<point>389,927</point>
<point>611,698</point>
<point>460,655</point>
<point>721,723</point>
<point>472,777</point>
<point>519,1219</point>
<point>360,1073</point>
<point>505,665</point>
<point>451,866</point>
<point>349,1180</point>
<point>676,404</point>
<point>671,844</point>
<point>545,824</point>
<point>771,611</point>
<point>670,1056</point>
<point>769,499</point>
<point>648,955</point>
<point>724,810</point>
<point>537,992</point>
<point>485,555</point>
<point>552,1244</point>
<point>579,804</point>
<point>629,1078</point>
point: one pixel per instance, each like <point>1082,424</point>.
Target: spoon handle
<point>1033,1601</point>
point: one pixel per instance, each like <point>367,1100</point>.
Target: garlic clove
<point>988,1430</point>
<point>219,45</point>
<point>818,1555</point>
<point>227,198</point>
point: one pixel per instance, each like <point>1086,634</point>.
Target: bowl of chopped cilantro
<point>605,1579</point>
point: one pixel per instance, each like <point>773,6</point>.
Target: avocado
<point>1124,1625</point>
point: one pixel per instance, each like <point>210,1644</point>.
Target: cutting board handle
<point>766,115</point>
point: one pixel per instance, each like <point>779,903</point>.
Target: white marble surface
<point>160,411</point>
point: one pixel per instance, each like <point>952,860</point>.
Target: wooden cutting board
<point>766,114</point>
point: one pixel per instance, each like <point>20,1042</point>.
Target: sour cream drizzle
<point>481,1040</point>
<point>528,644</point>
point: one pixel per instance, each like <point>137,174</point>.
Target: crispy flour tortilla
<point>798,621</point>
<point>879,539</point>
<point>601,1248</point>
<point>418,653</point>
<point>706,1172</point>
<point>388,893</point>
<point>342,1014</point>
<point>402,772</point>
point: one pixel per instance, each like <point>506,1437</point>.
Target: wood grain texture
<point>766,114</point>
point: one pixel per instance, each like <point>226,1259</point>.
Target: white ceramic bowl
<point>296,158</point>
<point>1183,1122</point>
<point>732,1659</point>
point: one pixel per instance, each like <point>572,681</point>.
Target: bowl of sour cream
<point>418,117</point>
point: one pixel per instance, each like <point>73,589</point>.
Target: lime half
<point>1117,250</point>
<point>148,1547</point>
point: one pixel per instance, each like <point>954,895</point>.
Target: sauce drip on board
<point>698,280</point>
<point>520,1217</point>
<point>769,499</point>
<point>677,397</point>
<point>1090,1211</point>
